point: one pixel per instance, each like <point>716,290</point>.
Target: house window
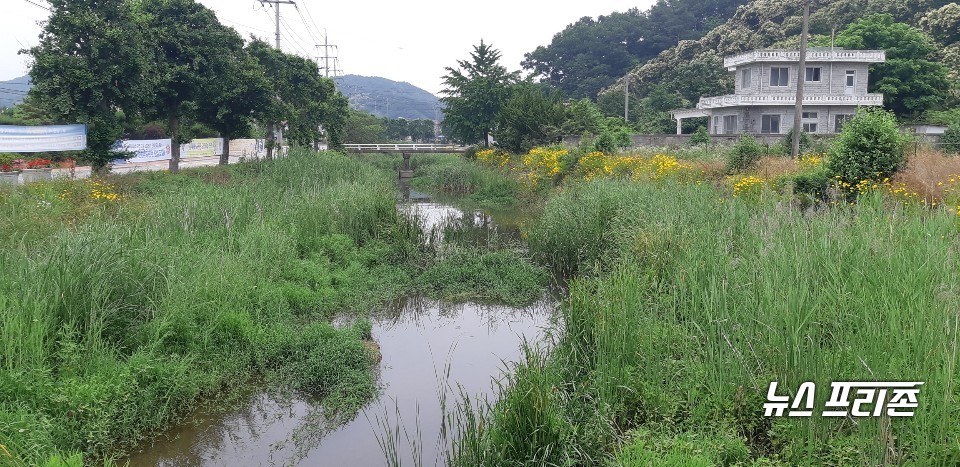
<point>810,121</point>
<point>716,125</point>
<point>839,121</point>
<point>813,75</point>
<point>779,76</point>
<point>851,78</point>
<point>745,79</point>
<point>770,124</point>
<point>730,124</point>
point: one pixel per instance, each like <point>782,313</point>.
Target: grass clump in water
<point>504,276</point>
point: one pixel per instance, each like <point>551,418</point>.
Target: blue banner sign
<point>46,138</point>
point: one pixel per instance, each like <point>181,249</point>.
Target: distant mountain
<point>387,98</point>
<point>13,91</point>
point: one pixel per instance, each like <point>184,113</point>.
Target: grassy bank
<point>126,302</point>
<point>690,301</point>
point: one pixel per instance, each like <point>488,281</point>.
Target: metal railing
<point>732,100</point>
<point>380,147</point>
<point>813,55</point>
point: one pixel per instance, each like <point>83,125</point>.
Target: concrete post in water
<point>405,170</point>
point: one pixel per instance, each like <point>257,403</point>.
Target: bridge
<point>406,149</point>
<point>403,148</point>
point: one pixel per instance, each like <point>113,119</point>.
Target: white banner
<point>47,138</point>
<point>249,148</point>
<point>205,147</point>
<point>147,150</point>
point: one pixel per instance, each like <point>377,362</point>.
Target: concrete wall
<point>832,79</point>
<point>644,141</point>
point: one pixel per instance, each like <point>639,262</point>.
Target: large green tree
<point>91,63</point>
<point>531,117</point>
<point>910,80</point>
<point>592,54</point>
<point>363,127</point>
<point>300,101</point>
<point>239,88</point>
<point>191,51</point>
<point>474,93</point>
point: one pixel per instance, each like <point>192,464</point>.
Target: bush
<point>744,155</point>
<point>951,139</point>
<point>805,141</point>
<point>612,140</point>
<point>700,137</point>
<point>814,184</point>
<point>870,147</point>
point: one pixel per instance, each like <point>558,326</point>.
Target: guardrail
<point>813,55</point>
<point>787,99</point>
<point>403,148</point>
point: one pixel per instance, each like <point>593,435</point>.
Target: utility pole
<point>801,77</point>
<point>276,7</point>
<point>626,98</point>
<point>326,55</point>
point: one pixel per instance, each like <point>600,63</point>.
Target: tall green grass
<point>118,317</point>
<point>688,305</point>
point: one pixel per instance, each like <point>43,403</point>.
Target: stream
<point>427,347</point>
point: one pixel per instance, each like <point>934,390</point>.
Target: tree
<point>943,24</point>
<point>190,50</point>
<point>363,127</point>
<point>92,62</point>
<point>590,55</point>
<point>530,117</point>
<point>870,147</point>
<point>240,88</point>
<point>910,80</point>
<point>583,118</point>
<point>299,99</point>
<point>474,93</point>
<point>421,130</point>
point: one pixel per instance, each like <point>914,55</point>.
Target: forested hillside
<point>387,98</point>
<point>694,68</point>
<point>592,54</point>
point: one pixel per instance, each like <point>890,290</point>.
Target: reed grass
<point>688,304</point>
<point>119,315</point>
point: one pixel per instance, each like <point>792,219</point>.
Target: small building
<point>835,85</point>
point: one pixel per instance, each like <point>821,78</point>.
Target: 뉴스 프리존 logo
<point>895,399</point>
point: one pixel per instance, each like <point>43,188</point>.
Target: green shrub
<point>814,184</point>
<point>951,139</point>
<point>744,155</point>
<point>701,136</point>
<point>870,147</point>
<point>805,142</point>
<point>612,140</point>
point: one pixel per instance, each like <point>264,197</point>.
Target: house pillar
<point>679,127</point>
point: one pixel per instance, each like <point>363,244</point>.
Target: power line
<point>37,5</point>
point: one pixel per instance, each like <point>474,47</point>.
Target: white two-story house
<point>834,85</point>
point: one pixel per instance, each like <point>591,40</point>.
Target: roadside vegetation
<point>127,301</point>
<point>697,283</point>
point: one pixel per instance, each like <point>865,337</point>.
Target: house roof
<point>813,55</point>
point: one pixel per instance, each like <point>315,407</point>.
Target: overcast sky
<point>401,40</point>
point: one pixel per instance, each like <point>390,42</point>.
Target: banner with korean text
<point>146,150</point>
<point>248,148</point>
<point>205,147</point>
<point>45,138</point>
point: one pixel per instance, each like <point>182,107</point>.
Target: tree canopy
<point>592,54</point>
<point>116,64</point>
<point>474,93</point>
<point>911,82</point>
<point>91,63</point>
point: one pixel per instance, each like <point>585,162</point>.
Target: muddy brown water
<point>427,347</point>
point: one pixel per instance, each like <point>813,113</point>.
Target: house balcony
<point>813,55</point>
<point>735,100</point>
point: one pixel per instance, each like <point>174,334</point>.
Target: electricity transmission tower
<point>276,7</point>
